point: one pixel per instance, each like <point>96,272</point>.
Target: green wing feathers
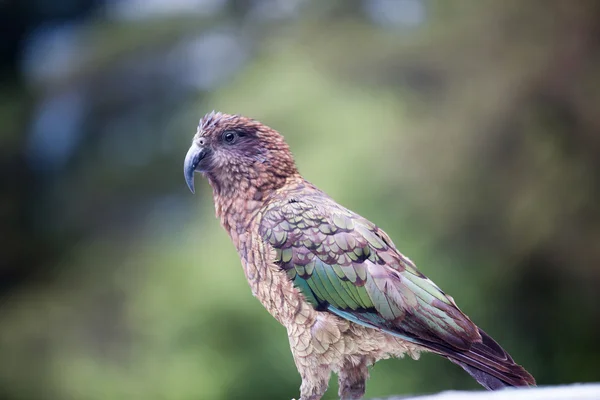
<point>343,263</point>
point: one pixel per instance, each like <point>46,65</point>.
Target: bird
<point>345,294</point>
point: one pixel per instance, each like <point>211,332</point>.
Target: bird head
<point>237,153</point>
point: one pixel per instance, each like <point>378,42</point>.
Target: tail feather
<point>488,381</point>
<point>489,364</point>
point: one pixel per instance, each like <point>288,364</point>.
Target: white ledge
<point>579,391</point>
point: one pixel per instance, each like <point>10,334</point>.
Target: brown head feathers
<point>212,118</point>
<point>241,155</point>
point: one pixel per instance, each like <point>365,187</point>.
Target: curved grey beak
<point>193,157</point>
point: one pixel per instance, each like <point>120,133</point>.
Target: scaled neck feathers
<point>240,192</point>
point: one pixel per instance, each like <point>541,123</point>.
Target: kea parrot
<point>345,294</point>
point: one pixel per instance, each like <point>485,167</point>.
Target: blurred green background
<point>468,130</point>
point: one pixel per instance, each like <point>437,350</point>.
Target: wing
<point>344,264</point>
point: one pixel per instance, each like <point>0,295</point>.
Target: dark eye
<point>229,137</point>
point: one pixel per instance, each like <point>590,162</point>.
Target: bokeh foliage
<point>471,137</point>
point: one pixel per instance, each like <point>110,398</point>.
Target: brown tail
<point>489,364</point>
